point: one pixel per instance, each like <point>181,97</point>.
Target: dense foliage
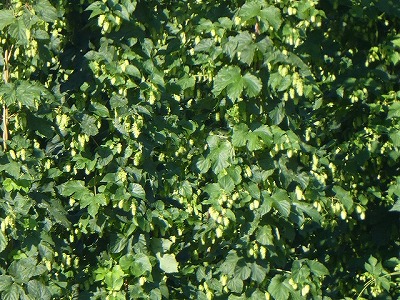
<point>200,149</point>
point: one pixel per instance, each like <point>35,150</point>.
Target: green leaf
<point>118,101</point>
<point>396,206</point>
<point>8,93</point>
<point>93,202</point>
<point>394,110</point>
<point>18,30</point>
<point>235,89</point>
<point>258,273</point>
<point>272,15</point>
<point>300,272</point>
<point>89,125</point>
<point>73,187</point>
<point>249,10</point>
<point>6,18</point>
<point>133,71</point>
<point>343,196</point>
<point>97,8</point>
<point>221,153</point>
<point>3,242</point>
<point>281,202</point>
<point>252,85</point>
<point>168,263</point>
<point>13,293</point>
<point>277,289</point>
<point>5,282</point>
<point>99,109</point>
<point>214,284</point>
<point>317,268</point>
<point>239,136</point>
<point>242,271</point>
<point>114,279</point>
<point>227,76</point>
<point>38,290</point>
<point>203,164</point>
<point>228,266</point>
<point>226,182</point>
<point>235,285</point>
<point>137,191</point>
<point>27,93</point>
<point>186,82</point>
<point>254,142</point>
<point>264,235</point>
<point>26,268</point>
<point>140,264</point>
<point>277,114</point>
<point>45,10</point>
<point>254,190</point>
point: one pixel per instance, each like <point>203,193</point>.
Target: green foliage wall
<point>199,149</point>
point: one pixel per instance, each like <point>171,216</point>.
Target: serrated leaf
<point>309,210</point>
<point>253,142</point>
<point>118,101</point>
<point>13,293</point>
<point>38,290</point>
<point>252,85</point>
<point>396,206</point>
<point>27,93</point>
<point>203,164</point>
<point>242,271</point>
<point>225,77</point>
<point>18,31</point>
<point>317,268</point>
<point>89,125</point>
<point>140,265</point>
<point>168,263</point>
<point>272,15</point>
<point>26,268</point>
<point>343,196</point>
<point>76,187</point>
<point>8,93</point>
<point>133,71</point>
<point>99,109</point>
<point>249,10</point>
<point>239,136</point>
<point>277,114</point>
<point>6,18</point>
<point>235,89</point>
<point>97,8</point>
<point>214,284</point>
<point>186,82</point>
<point>235,285</point>
<point>228,266</point>
<point>264,235</point>
<point>5,282</point>
<point>115,278</point>
<point>281,202</point>
<point>254,190</point>
<point>137,191</point>
<point>220,155</point>
<point>258,272</point>
<point>45,10</point>
<point>277,289</point>
<point>3,242</point>
<point>394,110</point>
<point>226,182</point>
